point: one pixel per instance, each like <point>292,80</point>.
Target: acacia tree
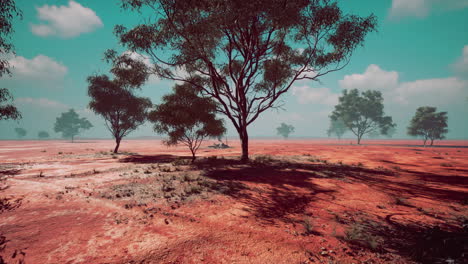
<point>20,132</point>
<point>244,54</point>
<point>70,124</point>
<point>187,118</point>
<point>284,130</point>
<point>43,134</point>
<point>362,113</point>
<point>122,111</point>
<point>337,128</point>
<point>8,11</point>
<point>429,124</point>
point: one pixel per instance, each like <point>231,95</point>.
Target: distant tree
<point>20,132</point>
<point>362,113</point>
<point>70,124</point>
<point>337,128</point>
<point>7,111</point>
<point>122,111</point>
<point>8,11</point>
<point>284,130</point>
<point>245,55</point>
<point>43,134</point>
<point>429,124</point>
<point>187,118</point>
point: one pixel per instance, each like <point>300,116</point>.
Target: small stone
<point>324,253</point>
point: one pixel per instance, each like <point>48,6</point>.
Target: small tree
<point>20,132</point>
<point>284,130</point>
<point>337,128</point>
<point>43,135</point>
<point>122,111</point>
<point>187,118</point>
<point>70,124</point>
<point>362,113</point>
<point>429,124</point>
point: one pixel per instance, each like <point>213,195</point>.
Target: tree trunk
<point>359,140</point>
<point>117,142</point>
<point>424,142</point>
<point>244,137</point>
<point>193,156</point>
<point>432,141</point>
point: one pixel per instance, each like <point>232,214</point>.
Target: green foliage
<point>186,118</point>
<point>43,134</point>
<point>362,113</point>
<point>284,130</point>
<point>8,12</point>
<point>7,111</point>
<point>429,124</point>
<point>70,124</point>
<point>245,55</point>
<point>122,111</point>
<point>20,132</point>
<point>337,128</point>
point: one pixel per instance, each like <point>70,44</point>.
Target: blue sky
<point>419,56</point>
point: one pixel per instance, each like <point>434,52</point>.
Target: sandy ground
<point>299,201</point>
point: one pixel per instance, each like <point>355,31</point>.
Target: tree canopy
<point>244,54</point>
<point>362,113</point>
<point>429,124</point>
<point>115,101</point>
<point>187,118</point>
<point>284,130</point>
<point>43,134</point>
<point>20,132</point>
<point>7,110</point>
<point>70,124</point>
<point>337,128</point>
<point>8,11</point>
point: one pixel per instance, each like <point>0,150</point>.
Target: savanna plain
<point>296,201</point>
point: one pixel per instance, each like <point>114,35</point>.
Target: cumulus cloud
<point>374,78</point>
<point>65,21</point>
<point>420,92</point>
<point>38,72</point>
<point>422,8</point>
<point>306,94</point>
<point>39,68</point>
<point>461,66</point>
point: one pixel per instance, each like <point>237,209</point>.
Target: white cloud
<point>422,8</point>
<point>65,21</point>
<point>40,103</point>
<point>306,94</point>
<point>38,67</point>
<point>437,92</point>
<point>461,66</point>
<point>402,8</point>
<point>38,72</point>
<point>374,78</point>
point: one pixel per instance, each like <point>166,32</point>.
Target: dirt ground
<point>298,201</point>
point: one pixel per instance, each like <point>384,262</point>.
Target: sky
<point>418,57</point>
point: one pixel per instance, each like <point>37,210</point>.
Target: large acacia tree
<point>244,54</point>
<point>362,113</point>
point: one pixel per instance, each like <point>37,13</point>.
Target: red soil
<point>57,213</point>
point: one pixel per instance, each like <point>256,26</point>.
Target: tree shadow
<point>11,172</point>
<point>151,158</point>
<point>422,244</point>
